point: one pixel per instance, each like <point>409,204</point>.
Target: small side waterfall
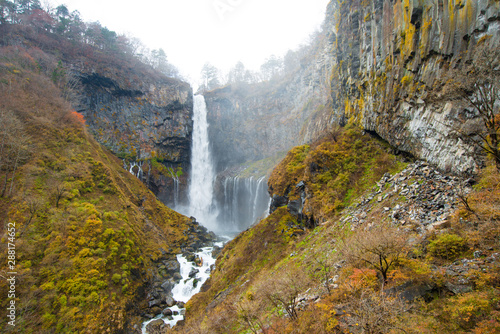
<point>175,178</point>
<point>244,200</point>
<point>135,168</point>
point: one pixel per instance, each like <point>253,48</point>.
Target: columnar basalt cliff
<point>391,57</point>
<point>147,119</point>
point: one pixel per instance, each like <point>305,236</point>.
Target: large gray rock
<point>156,326</point>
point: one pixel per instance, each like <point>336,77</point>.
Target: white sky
<point>221,32</point>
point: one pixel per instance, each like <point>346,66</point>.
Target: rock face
<point>388,57</point>
<point>377,63</point>
<point>141,117</point>
<point>249,122</point>
<point>145,120</point>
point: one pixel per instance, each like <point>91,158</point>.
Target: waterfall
<point>175,178</point>
<point>201,187</point>
<point>244,201</point>
<point>193,277</point>
<point>139,174</point>
<point>239,201</point>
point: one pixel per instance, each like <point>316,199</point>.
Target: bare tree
<point>376,313</point>
<point>283,291</point>
<point>379,248</point>
<point>58,193</point>
<point>477,82</point>
<point>15,147</point>
<point>325,267</point>
<point>33,207</point>
<point>249,312</point>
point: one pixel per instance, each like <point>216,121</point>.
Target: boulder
<point>167,285</point>
<point>156,326</point>
<point>169,301</point>
<point>410,291</point>
<point>155,310</point>
<point>295,207</point>
<point>216,251</point>
<point>277,202</point>
<point>171,266</point>
<point>193,272</point>
<point>154,302</point>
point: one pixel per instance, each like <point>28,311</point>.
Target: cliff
<point>138,116</point>
<point>250,122</point>
<point>379,63</point>
<point>390,59</point>
<point>90,248</point>
<point>145,117</point>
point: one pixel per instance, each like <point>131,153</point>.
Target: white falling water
<point>244,201</point>
<point>175,179</point>
<point>189,285</point>
<point>201,194</point>
<point>133,164</point>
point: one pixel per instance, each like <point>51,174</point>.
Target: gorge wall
<point>249,122</point>
<point>141,116</point>
<point>391,57</point>
<point>379,63</point>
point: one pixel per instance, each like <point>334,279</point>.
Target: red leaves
<point>78,117</point>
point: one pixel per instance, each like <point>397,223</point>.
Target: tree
<point>209,77</point>
<point>14,147</point>
<point>376,313</point>
<point>7,11</point>
<point>237,73</point>
<point>283,291</point>
<point>249,313</point>
<point>272,68</point>
<point>379,248</point>
<point>325,267</point>
<point>478,83</point>
<point>58,193</point>
<point>291,62</point>
<point>34,206</point>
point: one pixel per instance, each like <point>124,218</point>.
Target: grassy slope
<point>276,259</point>
<point>82,260</point>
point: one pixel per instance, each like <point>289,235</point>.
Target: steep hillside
<point>130,107</point>
<point>88,245</point>
<point>398,247</point>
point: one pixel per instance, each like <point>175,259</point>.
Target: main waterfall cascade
<point>239,202</point>
<point>201,186</point>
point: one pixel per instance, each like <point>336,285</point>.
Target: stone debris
<point>419,195</point>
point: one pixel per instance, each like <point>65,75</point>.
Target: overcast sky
<point>221,32</point>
